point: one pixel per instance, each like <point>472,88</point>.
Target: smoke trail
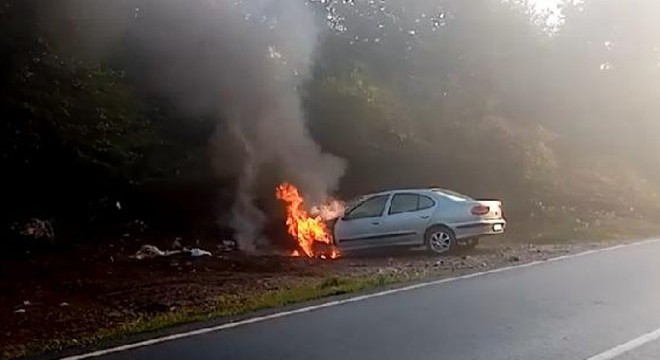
<point>239,61</point>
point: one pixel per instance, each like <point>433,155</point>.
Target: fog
<point>526,100</point>
<point>586,72</point>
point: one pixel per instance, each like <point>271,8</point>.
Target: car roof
<point>403,190</point>
<point>430,191</point>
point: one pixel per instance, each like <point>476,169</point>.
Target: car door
<point>407,218</point>
<point>361,226</point>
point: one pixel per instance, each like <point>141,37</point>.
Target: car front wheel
<point>440,240</point>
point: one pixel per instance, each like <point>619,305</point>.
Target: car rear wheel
<point>440,240</point>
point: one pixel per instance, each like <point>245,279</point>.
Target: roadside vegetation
<point>87,148</point>
<point>91,303</point>
<point>227,306</point>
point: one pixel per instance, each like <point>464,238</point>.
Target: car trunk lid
<point>487,209</point>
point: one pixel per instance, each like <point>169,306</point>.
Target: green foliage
<point>476,96</point>
<point>87,110</point>
<point>484,97</point>
<point>370,117</point>
<point>77,134</point>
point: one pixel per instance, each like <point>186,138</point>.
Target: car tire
<point>440,240</point>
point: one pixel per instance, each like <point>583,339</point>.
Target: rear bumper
<point>480,228</point>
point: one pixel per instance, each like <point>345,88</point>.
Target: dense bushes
<point>410,96</point>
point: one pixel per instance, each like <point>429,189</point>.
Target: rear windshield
<point>453,195</point>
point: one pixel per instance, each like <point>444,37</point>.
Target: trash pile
<point>152,251</point>
<point>38,229</point>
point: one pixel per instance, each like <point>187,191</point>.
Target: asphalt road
<point>575,308</point>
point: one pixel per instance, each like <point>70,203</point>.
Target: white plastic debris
<point>19,311</point>
<point>199,252</point>
<point>151,251</point>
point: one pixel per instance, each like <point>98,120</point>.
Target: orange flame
<point>304,228</point>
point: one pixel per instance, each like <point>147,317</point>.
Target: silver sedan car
<point>439,219</point>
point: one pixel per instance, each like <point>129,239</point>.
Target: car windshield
<point>351,204</point>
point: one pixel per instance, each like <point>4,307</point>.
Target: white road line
<point>340,302</point>
<point>630,345</point>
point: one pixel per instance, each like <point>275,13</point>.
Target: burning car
<point>437,218</point>
<point>310,230</point>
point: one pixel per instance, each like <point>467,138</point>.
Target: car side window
<point>425,202</point>
<point>372,207</point>
<point>402,203</point>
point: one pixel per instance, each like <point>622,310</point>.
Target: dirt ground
<point>73,294</point>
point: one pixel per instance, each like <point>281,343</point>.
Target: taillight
<point>480,210</point>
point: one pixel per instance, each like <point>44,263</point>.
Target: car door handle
<point>424,216</point>
<point>375,223</point>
